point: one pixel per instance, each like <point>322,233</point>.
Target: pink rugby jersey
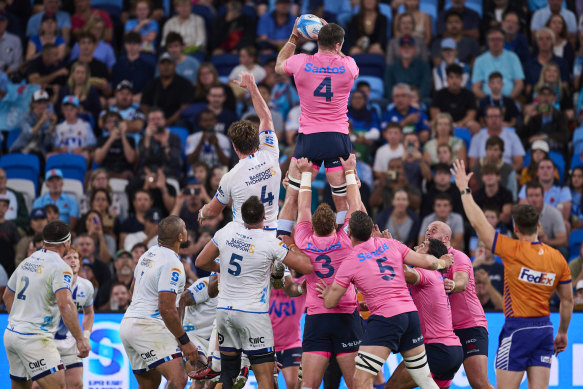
<point>285,313</point>
<point>376,269</point>
<point>433,306</point>
<point>466,309</point>
<point>327,254</point>
<point>323,82</point>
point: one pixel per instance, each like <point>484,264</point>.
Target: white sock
<point>418,368</point>
<point>245,360</point>
<point>341,217</point>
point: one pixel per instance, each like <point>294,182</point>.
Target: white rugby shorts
<point>31,357</point>
<point>68,349</point>
<point>248,332</point>
<point>148,343</point>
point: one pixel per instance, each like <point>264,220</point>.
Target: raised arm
<point>261,107</point>
<point>298,261</point>
<point>426,261</point>
<point>473,212</point>
<point>287,50</point>
<point>305,196</point>
<point>352,190</point>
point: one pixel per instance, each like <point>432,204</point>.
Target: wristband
<point>351,179</point>
<point>306,181</point>
<point>291,246</point>
<point>201,214</point>
<point>184,339</point>
<point>86,334</point>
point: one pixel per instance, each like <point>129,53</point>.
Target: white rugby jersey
<point>199,318</point>
<point>83,293</point>
<point>257,175</point>
<point>35,282</point>
<point>158,270</point>
<point>247,256</point>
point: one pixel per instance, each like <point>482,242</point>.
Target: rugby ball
<point>309,26</point>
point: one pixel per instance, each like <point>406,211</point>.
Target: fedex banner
<point>107,366</point>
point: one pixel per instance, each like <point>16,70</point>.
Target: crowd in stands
<point>139,93</point>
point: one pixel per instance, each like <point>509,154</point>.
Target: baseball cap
<point>448,44</point>
<point>548,87</point>
<point>53,173</point>
<point>407,40</point>
<point>38,213</point>
<point>40,95</point>
<point>119,253</point>
<point>166,57</point>
<point>154,215</point>
<point>125,84</point>
<point>579,285</point>
<point>71,100</point>
<point>5,198</point>
<point>540,145</point>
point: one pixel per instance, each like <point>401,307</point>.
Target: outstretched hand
<point>323,288</point>
<point>247,80</point>
<point>458,171</point>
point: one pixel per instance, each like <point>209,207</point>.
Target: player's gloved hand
<point>84,347</point>
<point>190,353</point>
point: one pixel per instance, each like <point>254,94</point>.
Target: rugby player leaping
<point>323,81</point>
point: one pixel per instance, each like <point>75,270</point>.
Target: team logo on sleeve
<point>536,277</point>
<point>283,245</point>
<point>67,278</point>
<point>174,276</point>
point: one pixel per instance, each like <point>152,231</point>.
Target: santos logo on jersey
<point>328,70</point>
<point>536,277</point>
<point>376,253</point>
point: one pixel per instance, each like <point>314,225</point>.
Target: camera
<point>392,175</point>
<point>193,191</point>
<point>410,147</point>
<point>160,130</point>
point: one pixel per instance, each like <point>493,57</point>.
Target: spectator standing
<point>133,66</point>
<point>170,92</point>
<point>67,205</point>
<point>191,27</point>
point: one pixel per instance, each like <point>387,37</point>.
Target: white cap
<point>579,285</point>
<point>540,145</point>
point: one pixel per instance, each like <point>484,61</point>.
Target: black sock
<point>230,366</point>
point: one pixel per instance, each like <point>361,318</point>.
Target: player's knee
<point>179,381</point>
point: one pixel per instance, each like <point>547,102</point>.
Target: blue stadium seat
<point>377,86</point>
<point>225,63</point>
<point>575,240</point>
<point>263,58</point>
<point>21,166</point>
<point>578,136</point>
<point>182,134</point>
<point>576,160</point>
<point>464,134</point>
<point>73,166</point>
<point>12,136</point>
<point>370,64</point>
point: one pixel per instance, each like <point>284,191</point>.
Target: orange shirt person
<point>532,271</point>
